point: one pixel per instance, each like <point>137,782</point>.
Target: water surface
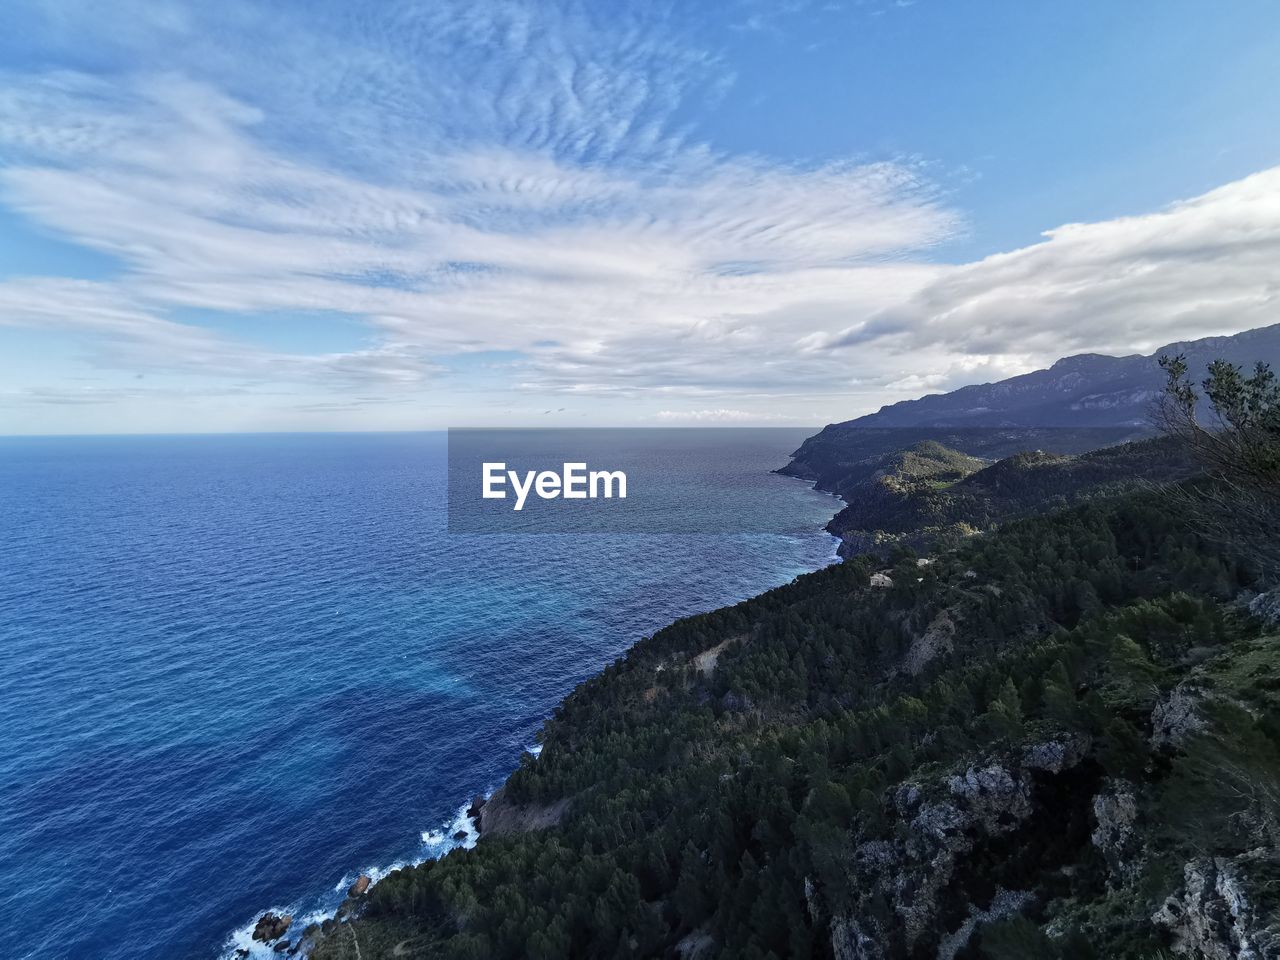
<point>240,670</point>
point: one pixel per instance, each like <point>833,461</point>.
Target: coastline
<point>308,921</point>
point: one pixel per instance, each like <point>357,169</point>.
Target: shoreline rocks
<point>271,926</point>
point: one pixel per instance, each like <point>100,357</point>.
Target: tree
<point>1239,445</point>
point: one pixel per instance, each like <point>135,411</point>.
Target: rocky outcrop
<point>1004,904</point>
<point>1266,607</point>
<point>1177,716</point>
<point>498,815</point>
<point>271,926</point>
<point>1219,914</point>
<point>1116,835</point>
<point>936,640</point>
<point>919,874</point>
<point>360,887</point>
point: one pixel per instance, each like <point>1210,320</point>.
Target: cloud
<point>593,270</point>
<point>1205,266</point>
<point>525,177</point>
<point>720,415</point>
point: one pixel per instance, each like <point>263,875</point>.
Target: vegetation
<point>913,506</point>
<point>1024,748</point>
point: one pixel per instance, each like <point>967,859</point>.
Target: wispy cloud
<point>525,178</point>
<point>592,241</point>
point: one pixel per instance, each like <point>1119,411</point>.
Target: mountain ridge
<point>1082,390</point>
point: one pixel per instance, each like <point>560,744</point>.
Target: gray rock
<point>1177,716</point>
<point>1116,836</point>
<point>941,823</point>
<point>1218,914</point>
<point>1054,756</point>
<point>1266,607</point>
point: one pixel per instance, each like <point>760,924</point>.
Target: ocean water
<point>240,670</point>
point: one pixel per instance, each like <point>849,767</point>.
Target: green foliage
<point>727,804</point>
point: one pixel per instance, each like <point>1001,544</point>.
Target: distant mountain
<point>1089,390</point>
<point>1079,404</point>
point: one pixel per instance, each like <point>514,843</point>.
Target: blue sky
<point>250,216</point>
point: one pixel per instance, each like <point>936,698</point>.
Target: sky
<point>260,216</point>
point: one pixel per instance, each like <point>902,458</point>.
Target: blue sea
<point>238,671</point>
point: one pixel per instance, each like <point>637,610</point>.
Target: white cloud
<point>720,415</point>
<point>1205,266</point>
<point>644,280</point>
<point>521,177</point>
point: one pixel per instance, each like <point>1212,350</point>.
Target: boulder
<point>460,836</point>
<point>270,927</point>
<point>361,885</point>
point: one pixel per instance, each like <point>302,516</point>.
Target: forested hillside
<point>1060,739</point>
<point>931,502</point>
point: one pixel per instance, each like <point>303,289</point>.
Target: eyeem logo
<point>573,483</point>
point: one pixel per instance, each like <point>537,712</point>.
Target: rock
<point>1177,716</point>
<point>881,580</point>
<point>328,925</point>
<point>907,798</point>
<point>271,927</point>
<point>310,937</point>
<point>1116,836</point>
<point>1218,915</point>
<point>473,811</point>
<point>1054,756</point>
<point>850,939</point>
<point>1004,904</point>
<point>461,835</point>
<point>938,826</point>
<point>501,816</point>
<point>242,952</point>
<point>281,947</point>
<point>361,885</point>
<point>1266,607</point>
<point>936,640</point>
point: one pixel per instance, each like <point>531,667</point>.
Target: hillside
<point>1062,740</point>
<point>1058,740</point>
<point>927,513</point>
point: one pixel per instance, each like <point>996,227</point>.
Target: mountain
<point>1079,404</point>
<point>1088,390</point>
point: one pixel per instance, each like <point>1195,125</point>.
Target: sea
<point>241,670</point>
